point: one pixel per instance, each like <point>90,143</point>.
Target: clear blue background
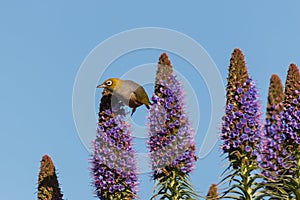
<point>43,43</point>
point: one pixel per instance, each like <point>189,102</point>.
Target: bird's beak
<point>101,86</point>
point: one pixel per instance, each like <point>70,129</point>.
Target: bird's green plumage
<point>129,92</point>
<point>142,96</point>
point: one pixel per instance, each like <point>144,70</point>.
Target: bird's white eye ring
<point>108,83</point>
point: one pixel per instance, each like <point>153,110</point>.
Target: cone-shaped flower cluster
<point>272,152</point>
<point>48,186</point>
<point>171,138</point>
<point>280,149</point>
<point>113,160</point>
<point>241,131</point>
<point>237,76</point>
<point>291,85</point>
<point>291,121</point>
<point>241,128</point>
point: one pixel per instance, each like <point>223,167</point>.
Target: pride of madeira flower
<point>113,159</point>
<point>291,115</point>
<point>290,138</point>
<point>241,129</point>
<point>171,138</point>
<point>48,186</point>
<point>272,152</point>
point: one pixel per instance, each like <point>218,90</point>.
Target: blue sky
<point>43,44</point>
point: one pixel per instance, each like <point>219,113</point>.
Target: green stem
<point>297,187</point>
<point>246,178</point>
<point>174,185</point>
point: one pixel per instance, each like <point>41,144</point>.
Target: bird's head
<point>110,84</point>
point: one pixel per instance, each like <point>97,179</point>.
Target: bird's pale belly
<point>128,99</point>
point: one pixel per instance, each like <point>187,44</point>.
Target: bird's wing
<point>142,97</point>
<point>133,101</point>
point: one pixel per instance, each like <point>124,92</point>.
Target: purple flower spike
<point>171,138</point>
<point>282,128</point>
<point>241,124</point>
<point>113,159</point>
<point>271,145</point>
<point>241,130</point>
<point>290,131</point>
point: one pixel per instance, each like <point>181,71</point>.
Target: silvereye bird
<point>129,92</point>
